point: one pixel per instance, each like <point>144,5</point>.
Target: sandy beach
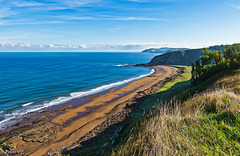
<point>61,128</point>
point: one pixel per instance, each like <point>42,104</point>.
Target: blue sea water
<point>33,81</point>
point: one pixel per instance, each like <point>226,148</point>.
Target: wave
<point>121,65</point>
<point>12,117</point>
<point>27,104</point>
<point>109,86</point>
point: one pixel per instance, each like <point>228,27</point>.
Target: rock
<point>2,153</point>
<point>41,135</point>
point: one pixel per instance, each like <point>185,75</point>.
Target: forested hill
<point>181,57</point>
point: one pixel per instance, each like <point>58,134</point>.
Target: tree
<point>214,61</point>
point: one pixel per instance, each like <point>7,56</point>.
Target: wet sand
<point>74,122</point>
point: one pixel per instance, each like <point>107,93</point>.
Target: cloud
<point>133,19</point>
<point>16,45</point>
<point>66,4</point>
<point>131,47</point>
<point>236,6</point>
<point>77,3</point>
<point>137,1</point>
<point>31,22</point>
<point>6,12</point>
<point>26,4</point>
<point>107,18</point>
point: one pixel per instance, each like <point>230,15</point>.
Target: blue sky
<point>116,25</point>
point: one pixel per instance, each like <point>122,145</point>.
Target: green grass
<point>184,77</point>
<point>207,123</point>
<point>170,89</point>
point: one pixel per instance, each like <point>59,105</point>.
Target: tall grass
<point>208,123</point>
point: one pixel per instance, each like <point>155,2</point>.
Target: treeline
<point>213,62</point>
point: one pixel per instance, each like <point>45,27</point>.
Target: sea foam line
<point>121,65</point>
<point>27,104</point>
<point>60,100</point>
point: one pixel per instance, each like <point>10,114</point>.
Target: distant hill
<point>162,50</point>
<point>181,57</point>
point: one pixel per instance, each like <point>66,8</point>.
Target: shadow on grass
<point>165,96</point>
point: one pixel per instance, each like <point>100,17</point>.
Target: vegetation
<point>206,123</point>
<point>203,119</point>
<point>172,88</point>
<point>213,62</point>
<point>182,57</point>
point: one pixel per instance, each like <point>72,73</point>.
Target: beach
<point>58,129</point>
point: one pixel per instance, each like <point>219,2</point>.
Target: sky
<point>116,25</point>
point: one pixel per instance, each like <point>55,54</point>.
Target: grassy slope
<point>207,123</point>
<point>170,89</point>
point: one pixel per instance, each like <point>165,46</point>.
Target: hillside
<point>162,50</point>
<point>203,119</point>
<point>206,123</point>
<point>181,57</point>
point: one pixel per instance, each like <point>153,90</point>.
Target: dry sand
<point>99,109</point>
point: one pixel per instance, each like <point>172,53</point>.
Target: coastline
<point>57,104</point>
<point>55,131</point>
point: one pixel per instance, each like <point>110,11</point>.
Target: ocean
<point>34,81</point>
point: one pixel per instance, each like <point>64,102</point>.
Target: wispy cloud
<point>26,4</point>
<point>77,3</point>
<point>106,17</point>
<point>137,0</point>
<point>6,12</point>
<point>31,22</point>
<point>23,8</point>
<point>236,6</point>
<point>121,18</point>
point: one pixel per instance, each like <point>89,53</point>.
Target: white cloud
<point>26,4</point>
<point>131,47</point>
<point>11,45</point>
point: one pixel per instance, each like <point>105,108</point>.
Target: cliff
<point>181,57</point>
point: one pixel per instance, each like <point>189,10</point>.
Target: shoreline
<point>73,98</point>
<point>73,123</point>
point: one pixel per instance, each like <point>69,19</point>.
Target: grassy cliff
<point>181,57</point>
<point>203,120</point>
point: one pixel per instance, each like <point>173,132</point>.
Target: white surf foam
<point>106,87</point>
<point>11,118</point>
<point>121,65</point>
<point>27,104</point>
